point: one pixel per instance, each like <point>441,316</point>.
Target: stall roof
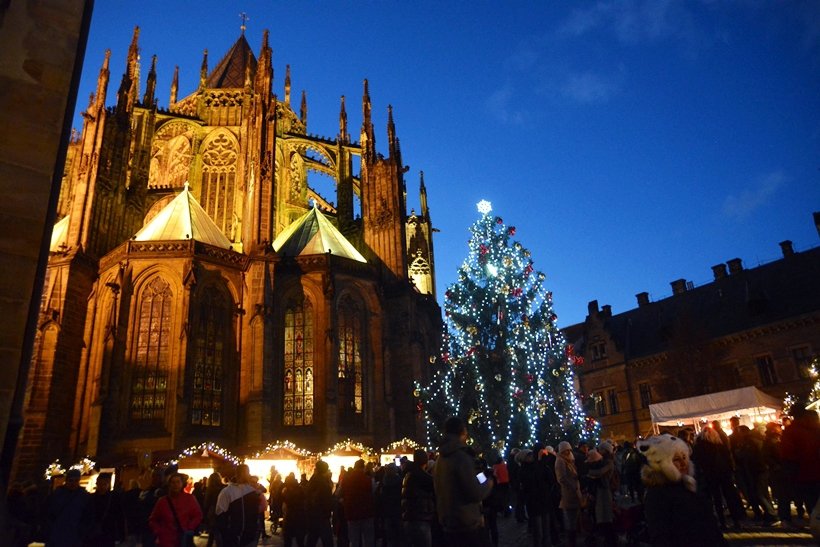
<point>714,405</point>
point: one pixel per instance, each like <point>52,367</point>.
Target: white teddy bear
<point>660,452</point>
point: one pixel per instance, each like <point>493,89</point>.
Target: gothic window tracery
<point>218,180</point>
<point>295,177</point>
<point>170,159</point>
<point>151,357</point>
<point>208,359</point>
<point>350,371</point>
<point>298,365</point>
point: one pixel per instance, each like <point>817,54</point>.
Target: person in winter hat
<point>675,514</point>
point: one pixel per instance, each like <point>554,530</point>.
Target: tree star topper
<point>484,207</point>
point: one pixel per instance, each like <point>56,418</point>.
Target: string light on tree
<point>505,367</point>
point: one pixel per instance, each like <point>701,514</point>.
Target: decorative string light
<point>349,446</point>
<point>205,449</point>
<point>54,469</point>
<point>505,366</point>
<point>85,466</point>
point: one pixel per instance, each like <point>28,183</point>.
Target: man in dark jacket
<point>458,492</point>
<point>237,508</point>
<point>418,502</point>
<point>319,491</point>
<point>359,507</point>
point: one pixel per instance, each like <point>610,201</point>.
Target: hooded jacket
<point>458,492</point>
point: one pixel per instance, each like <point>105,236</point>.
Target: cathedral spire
<point>264,69</point>
<point>303,109</point>
<point>203,71</point>
<point>129,87</point>
<point>151,84</point>
<point>287,85</point>
<point>425,212</point>
<point>248,79</point>
<point>174,86</point>
<point>392,142</point>
<point>368,138</point>
<point>102,82</point>
<point>343,136</point>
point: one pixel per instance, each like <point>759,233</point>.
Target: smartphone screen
<point>482,478</point>
<point>397,461</point>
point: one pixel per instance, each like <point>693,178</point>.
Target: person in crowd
<point>212,489</point>
<point>389,501</point>
<point>632,472</point>
<point>66,515</point>
<point>566,474</point>
<point>133,515</point>
<point>605,483</point>
<point>418,502</point>
<point>359,507</point>
<point>23,504</point>
<point>459,492</point>
<point>277,483</point>
<point>199,491</point>
<point>799,448</point>
<point>294,513</point>
<point>675,514</point>
<point>773,461</point>
<point>237,510</point>
<point>151,489</point>
<point>713,463</point>
<point>319,496</point>
<point>175,515</point>
<point>263,506</point>
<point>338,520</point>
<point>749,458</point>
<point>502,483</point>
<point>515,487</point>
<point>106,519</point>
<point>538,484</point>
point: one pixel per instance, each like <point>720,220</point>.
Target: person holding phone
<point>459,490</point>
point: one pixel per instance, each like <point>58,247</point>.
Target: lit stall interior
<point>199,462</point>
<point>397,450</point>
<point>285,456</point>
<point>345,454</point>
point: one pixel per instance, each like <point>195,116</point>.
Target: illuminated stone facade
<point>748,327</point>
<point>153,342</point>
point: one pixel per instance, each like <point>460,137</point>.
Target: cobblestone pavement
<point>514,534</point>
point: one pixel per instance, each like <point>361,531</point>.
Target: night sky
<point>631,143</point>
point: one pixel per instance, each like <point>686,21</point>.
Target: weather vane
<point>245,19</point>
<point>484,207</point>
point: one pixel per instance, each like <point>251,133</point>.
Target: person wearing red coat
<point>168,529</point>
<point>359,506</point>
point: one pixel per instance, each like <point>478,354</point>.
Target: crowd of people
<point>681,489</point>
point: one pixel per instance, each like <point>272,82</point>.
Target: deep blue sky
<point>631,143</point>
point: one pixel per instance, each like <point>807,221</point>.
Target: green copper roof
<point>314,234</point>
<point>183,218</point>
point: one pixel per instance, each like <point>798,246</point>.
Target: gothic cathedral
<point>199,289</point>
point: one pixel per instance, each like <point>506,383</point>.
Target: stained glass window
<point>298,365</point>
<point>208,358</point>
<point>350,374</point>
<point>149,387</point>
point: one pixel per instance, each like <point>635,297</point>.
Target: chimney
<point>678,286</point>
<point>719,270</point>
<point>606,310</point>
<point>592,308</point>
<point>643,299</point>
<point>786,247</point>
<point>735,266</point>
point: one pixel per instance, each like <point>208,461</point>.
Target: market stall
<point>285,456</point>
<point>398,450</point>
<point>749,404</point>
<point>344,454</point>
<point>200,461</point>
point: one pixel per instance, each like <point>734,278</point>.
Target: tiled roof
<point>183,218</point>
<point>230,72</point>
<point>314,234</point>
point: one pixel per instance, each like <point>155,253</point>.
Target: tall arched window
<point>350,372</point>
<point>299,365</point>
<point>218,180</point>
<point>149,384</point>
<point>208,358</point>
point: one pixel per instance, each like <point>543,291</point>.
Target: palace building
<point>199,289</point>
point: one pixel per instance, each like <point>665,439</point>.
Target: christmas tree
<point>505,367</point>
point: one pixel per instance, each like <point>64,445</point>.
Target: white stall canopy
<point>744,402</point>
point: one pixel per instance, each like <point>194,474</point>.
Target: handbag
<point>186,538</point>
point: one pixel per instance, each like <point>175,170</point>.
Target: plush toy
<point>659,452</point>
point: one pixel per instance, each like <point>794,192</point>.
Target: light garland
<point>283,445</point>
<point>207,448</point>
<point>85,466</point>
<point>348,446</point>
<point>54,469</point>
<point>397,445</point>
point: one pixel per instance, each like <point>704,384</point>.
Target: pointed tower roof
<point>59,234</point>
<point>183,218</point>
<point>230,72</point>
<point>314,234</point>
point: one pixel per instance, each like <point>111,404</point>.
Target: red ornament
<point>511,230</point>
<point>579,360</point>
<point>498,220</point>
<point>445,357</point>
<point>530,378</point>
<point>483,249</point>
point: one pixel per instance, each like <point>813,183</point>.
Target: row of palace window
<point>606,400</point>
<point>149,387</point>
